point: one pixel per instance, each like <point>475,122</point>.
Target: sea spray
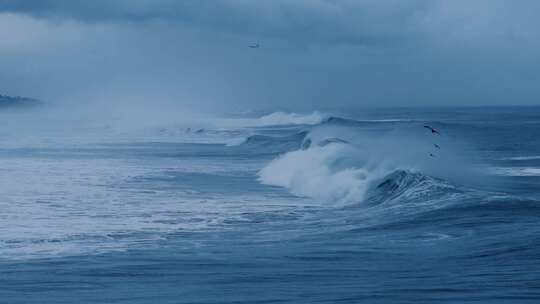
<point>315,173</point>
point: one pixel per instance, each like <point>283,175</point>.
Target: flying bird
<point>254,46</point>
<point>436,146</point>
<point>432,130</point>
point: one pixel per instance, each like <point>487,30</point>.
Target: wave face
<point>292,208</point>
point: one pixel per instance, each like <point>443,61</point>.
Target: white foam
<point>312,173</point>
<point>274,119</point>
<point>58,206</point>
<point>282,118</point>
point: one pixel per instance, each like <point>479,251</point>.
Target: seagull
<point>255,45</point>
<point>432,130</point>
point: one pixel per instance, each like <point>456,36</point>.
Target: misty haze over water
<point>285,151</point>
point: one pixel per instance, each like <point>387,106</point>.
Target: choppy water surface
<point>364,207</point>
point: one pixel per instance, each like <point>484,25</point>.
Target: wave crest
<point>282,118</point>
<point>315,172</point>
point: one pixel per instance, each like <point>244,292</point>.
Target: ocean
<point>336,206</point>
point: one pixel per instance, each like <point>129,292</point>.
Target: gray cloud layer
<point>315,53</point>
<point>315,21</point>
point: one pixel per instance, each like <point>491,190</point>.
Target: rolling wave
<point>346,166</point>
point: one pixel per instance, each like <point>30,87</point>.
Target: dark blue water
<point>352,209</point>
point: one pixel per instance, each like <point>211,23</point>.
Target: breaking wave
<point>313,173</point>
<point>343,165</point>
<point>282,118</point>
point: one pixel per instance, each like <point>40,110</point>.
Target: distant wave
<point>310,120</point>
<point>336,120</point>
<point>516,171</point>
<point>265,139</point>
<point>275,119</point>
<point>272,144</point>
<point>282,118</point>
<point>533,157</point>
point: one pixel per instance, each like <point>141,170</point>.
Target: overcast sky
<point>313,54</point>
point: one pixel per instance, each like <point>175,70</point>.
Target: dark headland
<point>17,102</point>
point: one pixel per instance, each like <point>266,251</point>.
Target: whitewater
<point>363,205</point>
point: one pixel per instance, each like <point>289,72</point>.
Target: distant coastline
<point>7,101</point>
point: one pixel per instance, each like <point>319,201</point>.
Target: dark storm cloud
<point>315,53</point>
<point>313,21</point>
